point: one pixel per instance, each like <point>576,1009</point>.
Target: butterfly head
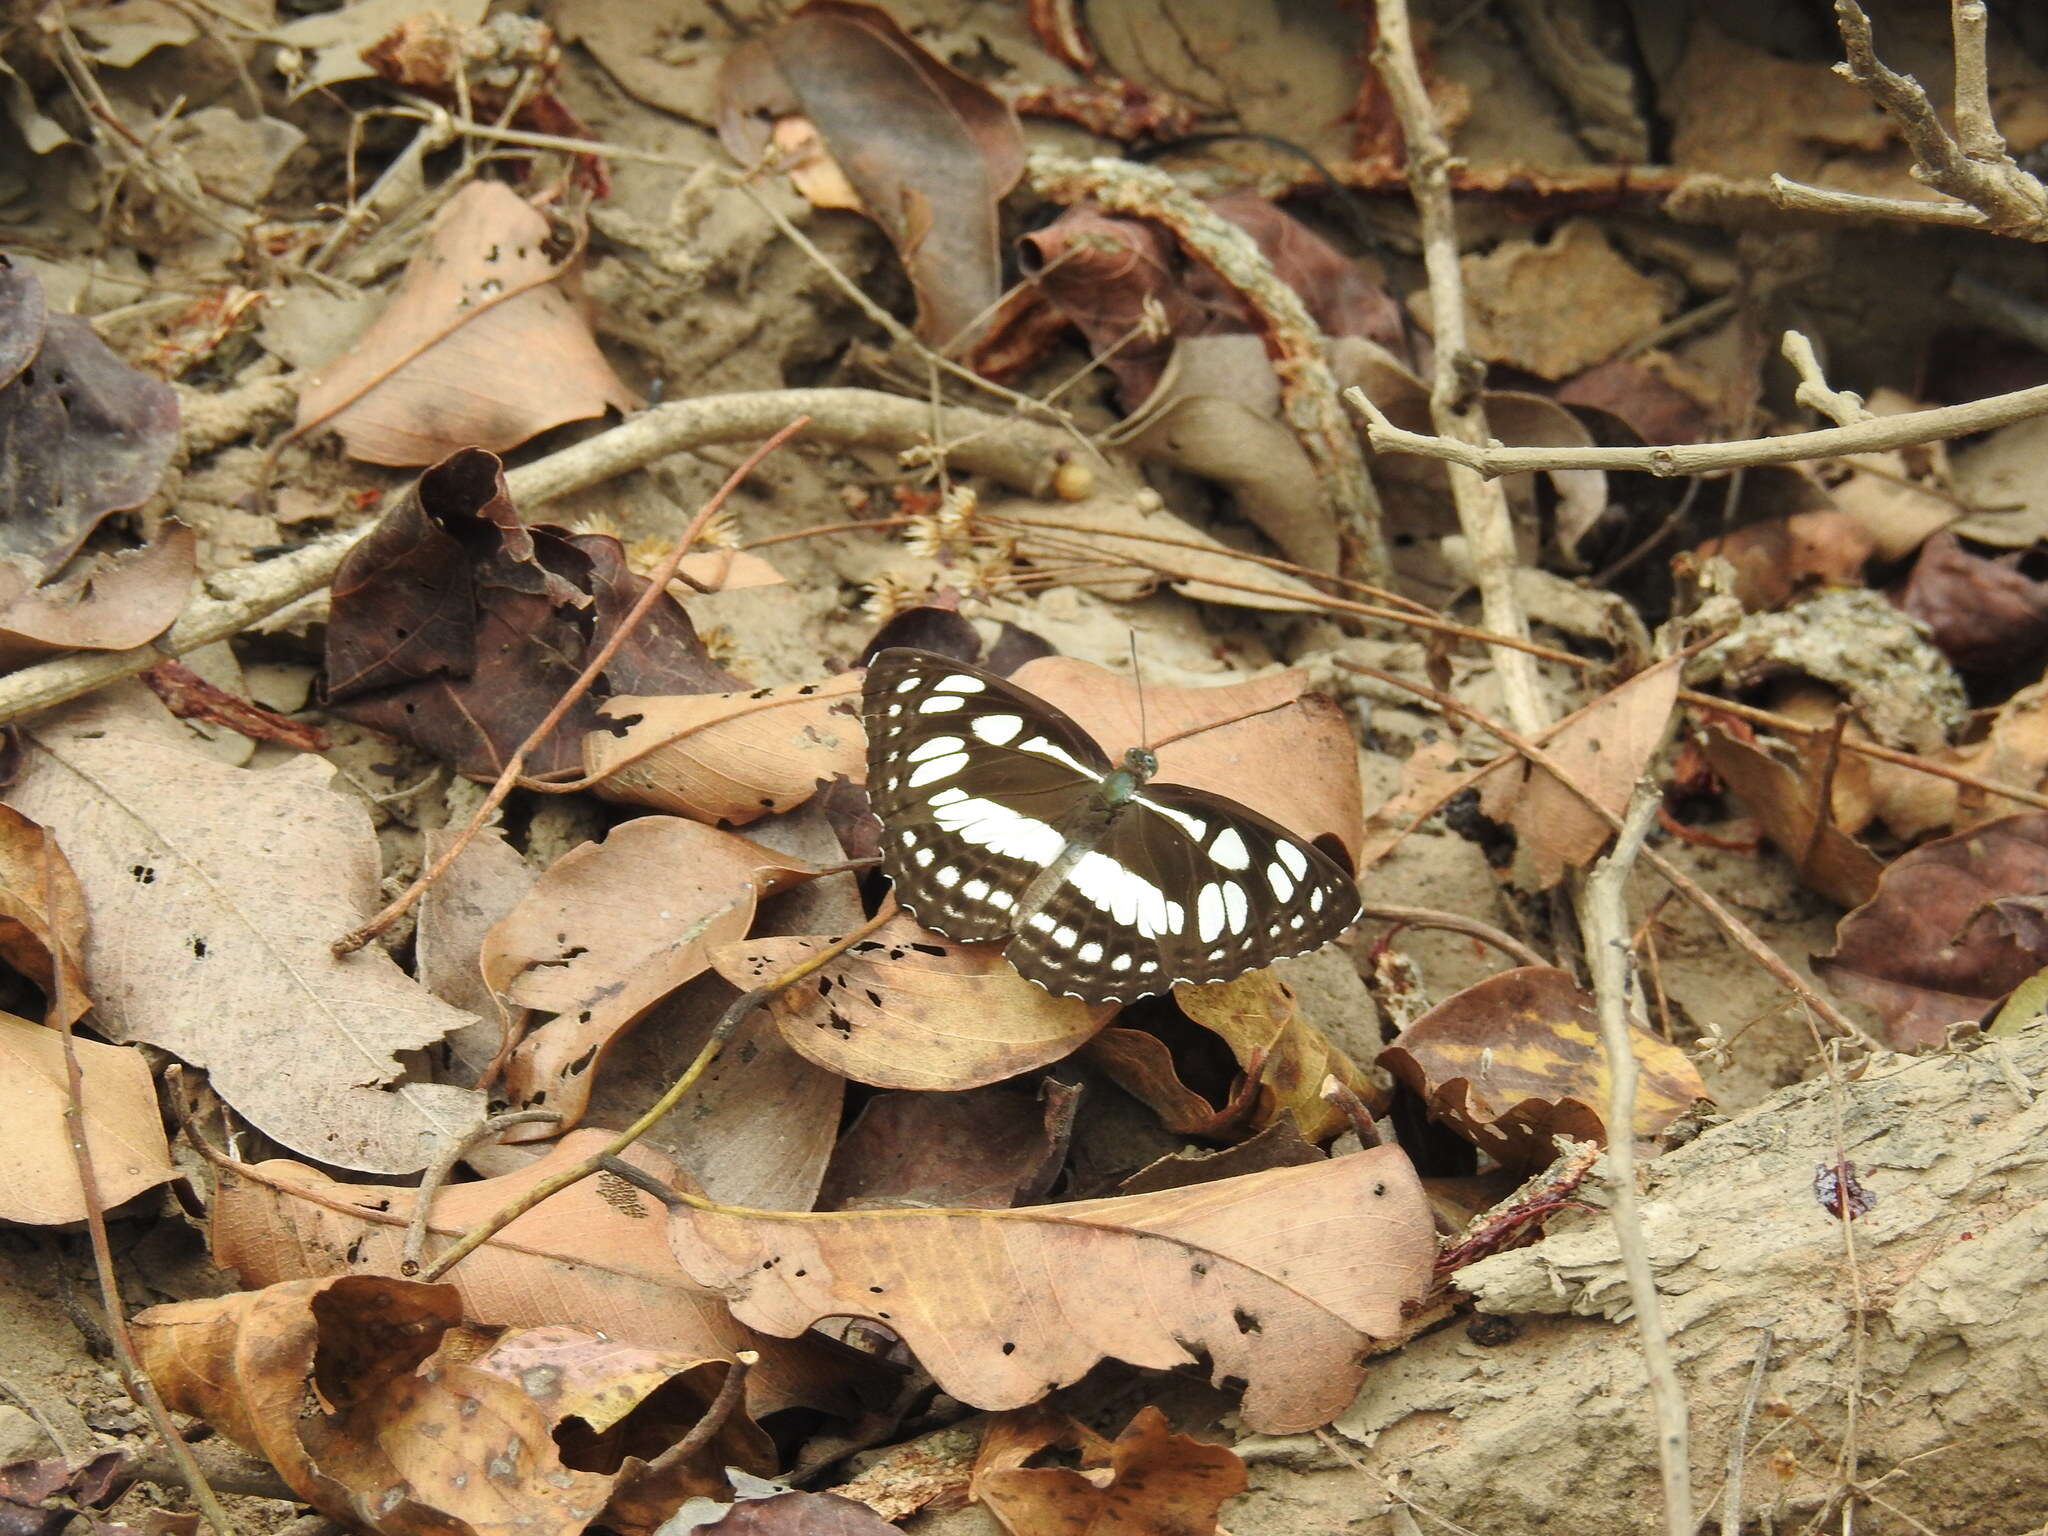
<point>1141,763</point>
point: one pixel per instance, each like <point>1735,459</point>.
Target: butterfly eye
<point>1142,761</point>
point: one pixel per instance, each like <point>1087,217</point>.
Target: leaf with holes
<point>1516,1059</point>
<point>726,757</point>
<point>909,1009</point>
<point>609,930</point>
<point>594,1252</point>
<point>1281,1281</point>
<point>214,894</point>
<point>1156,1483</point>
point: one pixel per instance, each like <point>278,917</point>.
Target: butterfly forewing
<point>969,815</point>
<point>980,786</point>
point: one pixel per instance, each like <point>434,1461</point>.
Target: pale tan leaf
<point>596,1252</point>
<point>1826,858</point>
<point>37,884</point>
<point>109,603</point>
<point>1282,1279</point>
<point>608,931</point>
<point>214,894</point>
<point>482,347</point>
<point>727,757</point>
<point>909,1009</point>
<point>123,1130</point>
<point>486,881</point>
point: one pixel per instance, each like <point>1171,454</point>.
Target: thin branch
<point>1840,406</point>
<point>1604,922</point>
<point>1906,430</point>
<point>1455,406</point>
<point>444,1165</point>
<point>731,1392</point>
<point>1454,922</point>
<point>1738,1440</point>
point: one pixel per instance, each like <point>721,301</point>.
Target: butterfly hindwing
<point>969,816</point>
<point>1185,886</point>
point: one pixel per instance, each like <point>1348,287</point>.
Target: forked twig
<point>443,1165</point>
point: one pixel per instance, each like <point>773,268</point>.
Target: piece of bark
<point>1551,1428</point>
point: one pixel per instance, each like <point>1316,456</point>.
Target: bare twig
<point>1905,430</point>
<point>1603,920</point>
<point>133,1377</point>
<point>1337,1092</point>
<point>1455,922</point>
<point>731,1392</point>
<point>655,591</point>
<point>1738,1440</point>
<point>727,1026</point>
<point>444,1164</point>
<point>1455,407</point>
<point>1840,406</point>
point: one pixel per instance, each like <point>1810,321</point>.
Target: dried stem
<point>1738,1439</point>
<point>1840,406</point>
<point>1455,407</point>
<point>1454,922</point>
<point>515,766</point>
<point>731,1392</point>
<point>1603,920</point>
<point>430,1183</point>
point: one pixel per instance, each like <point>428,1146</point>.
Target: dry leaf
<point>909,1009</point>
<point>1145,1067</point>
<point>482,347</point>
<point>103,603</point>
<point>1259,1017</point>
<point>123,1128</point>
<point>37,882</point>
<point>1158,1484</point>
<point>214,895</point>
<point>609,930</point>
<point>800,1514</point>
<point>1837,866</point>
<point>1603,749</point>
<point>985,1147</point>
<point>727,757</point>
<point>486,881</point>
<point>1283,1280</point>
<point>1516,1059</point>
<point>595,1252</point>
<point>929,152</point>
<point>1987,615</point>
<point>1279,1145</point>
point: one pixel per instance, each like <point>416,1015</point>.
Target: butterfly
<point>1002,820</point>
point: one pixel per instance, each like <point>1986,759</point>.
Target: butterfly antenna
<point>1138,677</point>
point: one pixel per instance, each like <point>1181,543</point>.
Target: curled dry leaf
<point>1227,740</point>
<point>1279,1145</point>
<point>727,757</point>
<point>595,1252</point>
<point>930,152</point>
<point>1603,749</point>
<point>411,1407</point>
<point>986,1147</point>
<point>1282,1280</point>
<point>609,930</point>
<point>1158,1483</point>
<point>101,603</point>
<point>1516,1059</point>
<point>909,1009</point>
<point>457,627</point>
<point>1933,947</point>
<point>801,1514</point>
<point>215,894</point>
<point>86,435</point>
<point>42,913</point>
<point>1987,615</point>
<point>1259,1017</point>
<point>483,346</point>
<point>1784,801</point>
<point>123,1130</point>
<point>1146,1068</point>
<point>1779,559</point>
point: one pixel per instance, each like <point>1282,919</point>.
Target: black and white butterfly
<point>1003,820</point>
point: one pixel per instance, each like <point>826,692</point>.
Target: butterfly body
<point>1004,821</point>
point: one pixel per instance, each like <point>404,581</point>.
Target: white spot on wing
<point>1209,913</point>
<point>939,703</point>
<point>1002,831</point>
<point>1295,860</point>
<point>924,857</point>
<point>1280,880</point>
<point>960,682</point>
<point>1120,963</point>
<point>1229,850</point>
<point>938,746</point>
<point>937,768</point>
<point>1065,937</point>
<point>1194,826</point>
<point>1235,906</point>
<point>998,730</point>
<point>1090,952</point>
<point>1315,899</point>
<point>974,889</point>
<point>949,876</point>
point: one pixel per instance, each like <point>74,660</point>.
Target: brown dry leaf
<point>1158,1484</point>
<point>1782,799</point>
<point>2014,751</point>
<point>100,603</point>
<point>1604,749</point>
<point>1743,112</point>
<point>214,894</point>
<point>1259,1017</point>
<point>909,1009</point>
<point>36,880</point>
<point>1986,615</point>
<point>712,570</point>
<point>1146,1068</point>
<point>123,1129</point>
<point>1117,528</point>
<point>1516,1059</point>
<point>609,930</point>
<point>1226,740</point>
<point>482,347</point>
<point>1931,948</point>
<point>801,1514</point>
<point>1279,1145</point>
<point>1780,559</point>
<point>929,152</point>
<point>1283,1280</point>
<point>411,1406</point>
<point>595,1252</point>
<point>486,881</point>
<point>810,166</point>
<point>727,757</point>
<point>986,1147</point>
<point>1646,393</point>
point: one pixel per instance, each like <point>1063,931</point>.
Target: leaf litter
<point>915,1149</point>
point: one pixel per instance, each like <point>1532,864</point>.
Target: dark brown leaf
<point>1930,949</point>
<point>801,1514</point>
<point>986,1147</point>
<point>456,626</point>
<point>1987,615</point>
<point>1279,1145</point>
<point>37,1497</point>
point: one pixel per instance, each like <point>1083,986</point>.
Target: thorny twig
<point>1455,406</point>
<point>515,766</point>
<point>1603,920</point>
